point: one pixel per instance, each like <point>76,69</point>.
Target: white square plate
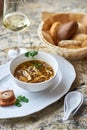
<point>38,100</point>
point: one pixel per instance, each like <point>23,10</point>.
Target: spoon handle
<point>66,115</point>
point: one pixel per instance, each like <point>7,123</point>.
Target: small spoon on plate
<point>72,103</point>
<point>75,110</point>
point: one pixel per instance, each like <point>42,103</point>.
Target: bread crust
<point>7,98</point>
<point>84,44</point>
<point>79,37</point>
<point>69,43</point>
<point>48,37</point>
<point>54,31</point>
<point>81,28</point>
<point>67,30</point>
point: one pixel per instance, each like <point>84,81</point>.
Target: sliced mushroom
<point>22,78</point>
<point>32,69</point>
<point>39,79</point>
<point>27,75</point>
<point>49,72</point>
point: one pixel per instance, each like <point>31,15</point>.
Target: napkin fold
<point>4,70</point>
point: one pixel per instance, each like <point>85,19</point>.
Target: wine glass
<point>15,19</point>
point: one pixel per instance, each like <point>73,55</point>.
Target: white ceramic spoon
<point>71,102</point>
<point>74,112</point>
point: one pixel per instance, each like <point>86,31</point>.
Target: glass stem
<point>19,39</point>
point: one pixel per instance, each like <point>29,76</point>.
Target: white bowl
<point>35,86</point>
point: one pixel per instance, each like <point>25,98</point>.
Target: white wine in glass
<point>16,21</point>
<point>15,18</point>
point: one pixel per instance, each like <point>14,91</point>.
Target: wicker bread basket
<point>72,54</point>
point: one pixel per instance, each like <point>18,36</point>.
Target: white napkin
<point>4,70</point>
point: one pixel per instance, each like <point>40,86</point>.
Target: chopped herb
<point>31,53</point>
<point>34,53</point>
<point>20,99</point>
<point>38,65</point>
<point>24,99</point>
<point>17,103</point>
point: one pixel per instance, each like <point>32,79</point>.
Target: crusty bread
<point>67,30</point>
<point>54,31</point>
<point>48,37</point>
<point>53,21</point>
<point>79,37</point>
<point>72,52</point>
<point>7,98</point>
<point>81,28</point>
<point>69,43</point>
<point>84,44</point>
<point>7,103</point>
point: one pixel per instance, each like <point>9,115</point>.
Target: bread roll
<point>81,28</point>
<point>84,44</point>
<point>54,31</point>
<point>80,37</point>
<point>68,43</point>
<point>67,30</point>
<point>48,37</point>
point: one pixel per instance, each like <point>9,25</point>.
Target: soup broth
<point>34,71</point>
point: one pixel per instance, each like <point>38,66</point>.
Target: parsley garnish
<point>38,65</point>
<point>20,99</point>
<point>31,53</point>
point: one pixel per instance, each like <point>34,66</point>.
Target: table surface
<point>49,118</point>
